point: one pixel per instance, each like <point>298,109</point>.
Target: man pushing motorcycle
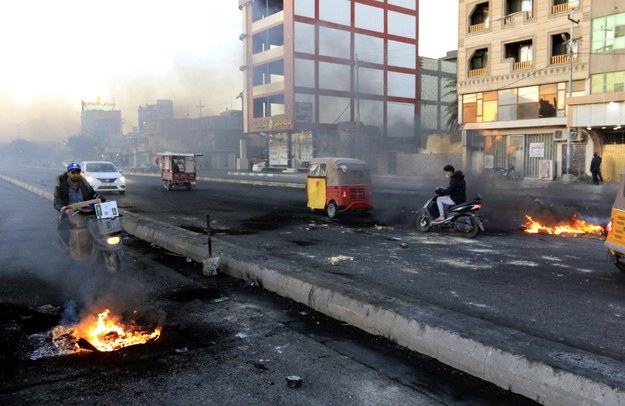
<point>71,188</point>
<point>456,193</point>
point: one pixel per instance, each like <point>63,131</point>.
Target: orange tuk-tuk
<point>615,240</point>
<point>339,184</point>
<point>177,170</point>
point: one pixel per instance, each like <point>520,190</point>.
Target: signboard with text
<point>537,149</point>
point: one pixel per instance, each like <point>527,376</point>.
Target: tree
<point>451,89</point>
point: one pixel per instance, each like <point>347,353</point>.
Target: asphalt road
<point>562,290</point>
<point>223,342</point>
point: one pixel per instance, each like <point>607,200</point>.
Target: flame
<point>574,227</point>
<point>107,333</point>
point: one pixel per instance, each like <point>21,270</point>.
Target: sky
<point>57,53</point>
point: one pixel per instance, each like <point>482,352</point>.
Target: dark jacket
<point>61,191</point>
<point>595,164</point>
<point>457,189</point>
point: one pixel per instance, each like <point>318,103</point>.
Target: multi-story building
<point>540,84</point>
<point>328,77</point>
<point>100,120</point>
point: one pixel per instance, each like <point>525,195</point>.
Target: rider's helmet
<point>73,166</point>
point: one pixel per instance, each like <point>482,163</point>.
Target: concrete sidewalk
<point>542,370</point>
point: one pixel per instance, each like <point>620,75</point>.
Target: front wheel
<point>423,223</point>
<point>112,261</point>
<point>332,210</point>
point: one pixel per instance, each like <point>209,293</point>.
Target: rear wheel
<point>423,223</point>
<point>332,210</point>
<point>472,232</point>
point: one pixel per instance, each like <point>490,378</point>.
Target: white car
<point>103,176</point>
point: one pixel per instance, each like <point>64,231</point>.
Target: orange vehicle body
<point>615,239</point>
<point>338,185</point>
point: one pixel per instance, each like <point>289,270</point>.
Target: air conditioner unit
<point>576,136</point>
<point>559,135</point>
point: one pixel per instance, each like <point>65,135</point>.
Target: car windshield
<point>101,167</point>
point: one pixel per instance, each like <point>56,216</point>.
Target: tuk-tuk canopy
<point>340,171</point>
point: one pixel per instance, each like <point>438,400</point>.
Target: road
<point>559,290</point>
<point>224,341</point>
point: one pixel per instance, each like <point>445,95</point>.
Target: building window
<point>518,6</point>
<point>548,100</point>
<point>520,53</point>
<point>479,18</point>
<point>607,82</point>
<point>522,103</point>
<point>478,64</point>
<point>560,48</point>
<point>608,33</point>
<point>264,8</point>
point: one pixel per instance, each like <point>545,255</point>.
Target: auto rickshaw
<point>615,240</point>
<point>177,170</point>
<point>339,184</point>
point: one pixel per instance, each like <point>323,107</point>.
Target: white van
<point>103,176</point>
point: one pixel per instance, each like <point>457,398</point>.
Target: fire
<point>573,227</point>
<point>105,334</point>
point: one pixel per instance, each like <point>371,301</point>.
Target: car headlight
<point>90,179</point>
<point>122,179</point>
<point>113,240</point>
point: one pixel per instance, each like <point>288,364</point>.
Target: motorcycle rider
<point>71,188</point>
<point>454,194</point>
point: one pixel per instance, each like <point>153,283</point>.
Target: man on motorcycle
<point>454,194</point>
<point>71,188</point>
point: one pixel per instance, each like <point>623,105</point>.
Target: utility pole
<point>569,130</point>
<point>200,106</point>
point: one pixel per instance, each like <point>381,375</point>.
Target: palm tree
<point>452,108</point>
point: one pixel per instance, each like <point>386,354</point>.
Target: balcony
<point>564,7</point>
<point>478,72</point>
<point>528,15</point>
<point>478,27</point>
<point>522,65</point>
<point>558,59</point>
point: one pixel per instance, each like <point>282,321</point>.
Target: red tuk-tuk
<point>177,169</point>
<point>339,184</point>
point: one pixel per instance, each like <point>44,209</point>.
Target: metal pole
<point>208,231</point>
<point>568,130</point>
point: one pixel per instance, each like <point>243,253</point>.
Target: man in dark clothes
<point>456,193</point>
<point>595,168</point>
<point>70,188</point>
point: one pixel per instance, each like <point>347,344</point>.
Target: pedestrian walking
<point>595,168</point>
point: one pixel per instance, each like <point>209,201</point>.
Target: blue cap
<point>73,167</point>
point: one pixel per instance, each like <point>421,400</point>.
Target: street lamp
<point>570,43</point>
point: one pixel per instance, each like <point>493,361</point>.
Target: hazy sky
<point>133,52</point>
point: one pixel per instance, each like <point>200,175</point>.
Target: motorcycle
<point>508,172</point>
<point>463,218</point>
<point>92,239</point>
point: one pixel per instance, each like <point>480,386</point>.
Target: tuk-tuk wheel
<point>616,260</point>
<point>332,210</point>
